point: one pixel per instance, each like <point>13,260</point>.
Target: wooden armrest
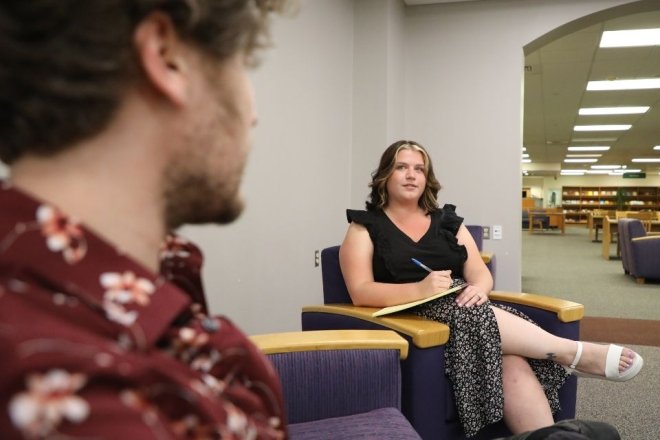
<point>487,256</point>
<point>331,340</point>
<point>567,311</point>
<point>423,332</point>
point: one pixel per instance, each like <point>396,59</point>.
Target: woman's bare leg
<point>525,404</point>
<point>523,338</point>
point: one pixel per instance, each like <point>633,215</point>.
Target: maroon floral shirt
<point>95,346</point>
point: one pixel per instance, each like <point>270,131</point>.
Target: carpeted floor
<point>617,310</point>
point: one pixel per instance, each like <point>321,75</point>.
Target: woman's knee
<point>515,368</point>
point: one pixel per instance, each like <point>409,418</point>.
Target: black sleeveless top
<point>393,249</point>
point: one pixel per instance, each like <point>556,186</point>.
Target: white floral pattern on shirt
<point>48,400</point>
<point>62,233</point>
<point>123,289</point>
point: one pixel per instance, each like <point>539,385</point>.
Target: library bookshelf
<point>579,201</point>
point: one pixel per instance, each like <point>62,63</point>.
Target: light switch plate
<point>497,232</point>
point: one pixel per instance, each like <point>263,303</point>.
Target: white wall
<point>475,49</point>
<point>378,95</point>
<point>260,270</point>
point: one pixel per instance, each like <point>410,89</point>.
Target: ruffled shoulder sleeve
<point>365,218</point>
<point>448,218</point>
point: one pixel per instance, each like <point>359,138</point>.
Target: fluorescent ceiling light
<point>613,110</point>
<point>657,147</point>
<point>646,159</point>
<point>571,173</point>
<point>527,161</point>
<point>625,84</point>
<point>622,171</point>
<point>525,155</point>
<point>598,171</point>
<point>631,38</point>
<point>580,160</point>
<point>612,127</point>
<point>583,155</point>
<point>596,139</point>
<point>605,167</point>
<point>589,148</point>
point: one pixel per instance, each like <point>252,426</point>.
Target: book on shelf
<point>456,285</point>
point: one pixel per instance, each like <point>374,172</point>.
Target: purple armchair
<point>427,397</point>
<point>340,384</point>
<point>640,252</point>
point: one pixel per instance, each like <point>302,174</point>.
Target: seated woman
<point>501,364</point>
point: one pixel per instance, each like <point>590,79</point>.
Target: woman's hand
<point>435,282</point>
<point>471,296</point>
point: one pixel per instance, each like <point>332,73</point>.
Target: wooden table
<point>594,223</point>
<point>560,216</point>
<point>610,226</point>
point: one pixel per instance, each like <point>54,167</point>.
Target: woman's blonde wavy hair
<point>379,197</point>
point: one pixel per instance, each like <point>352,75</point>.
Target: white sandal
<point>611,365</point>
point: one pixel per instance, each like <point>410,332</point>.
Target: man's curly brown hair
<point>66,63</point>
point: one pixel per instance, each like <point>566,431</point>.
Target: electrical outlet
<point>486,232</point>
<point>317,258</point>
<point>497,232</point>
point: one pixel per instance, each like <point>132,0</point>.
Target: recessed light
<point>613,110</point>
<point>625,84</point>
<point>588,148</point>
<point>580,160</point>
<point>646,159</point>
<point>631,38</point>
<point>611,127</point>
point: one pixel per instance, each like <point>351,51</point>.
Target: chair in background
<point>640,252</point>
<point>646,217</point>
<point>427,396</point>
<point>341,383</point>
<point>541,222</point>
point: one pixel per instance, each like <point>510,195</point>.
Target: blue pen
<point>422,265</point>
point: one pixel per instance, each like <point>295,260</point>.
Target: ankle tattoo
<point>550,356</point>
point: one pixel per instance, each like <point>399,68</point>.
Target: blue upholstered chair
<point>427,397</point>
<point>343,384</point>
<point>640,252</point>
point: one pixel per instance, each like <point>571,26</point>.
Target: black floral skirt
<point>473,361</point>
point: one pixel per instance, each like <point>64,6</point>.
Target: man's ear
<point>161,54</point>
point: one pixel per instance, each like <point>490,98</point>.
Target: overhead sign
<point>634,175</point>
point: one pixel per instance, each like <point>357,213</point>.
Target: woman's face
<point>408,181</point>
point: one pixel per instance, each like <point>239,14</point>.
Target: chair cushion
<point>383,423</point>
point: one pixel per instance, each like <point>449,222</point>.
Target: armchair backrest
<point>334,383</point>
<point>635,229</point>
<point>334,287</point>
<point>477,233</point>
